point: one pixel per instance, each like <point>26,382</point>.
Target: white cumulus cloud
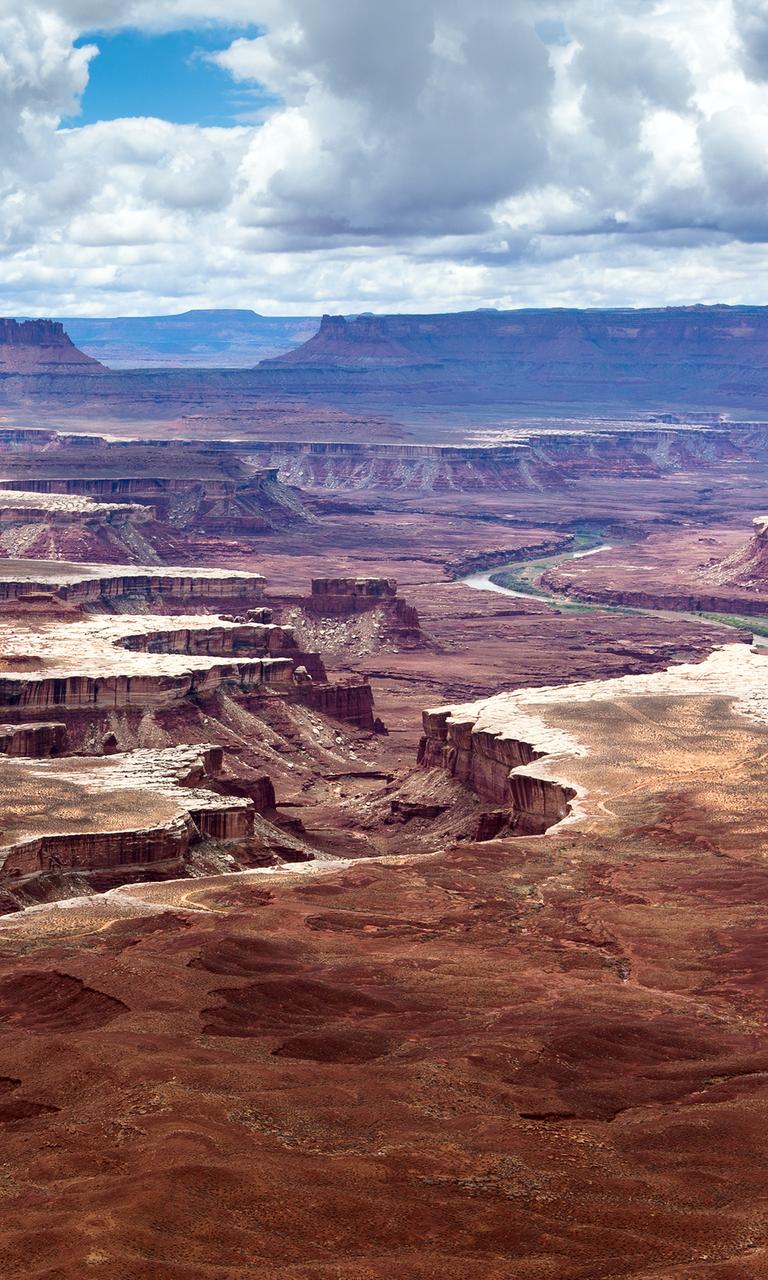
<point>421,156</point>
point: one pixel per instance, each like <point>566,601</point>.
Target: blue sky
<point>405,155</point>
<point>167,75</point>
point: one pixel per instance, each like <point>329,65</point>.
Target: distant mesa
<point>650,358</point>
<point>216,338</point>
<point>41,346</point>
<point>556,335</point>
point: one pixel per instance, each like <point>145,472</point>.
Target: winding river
<point>529,570</point>
<point>482,581</point>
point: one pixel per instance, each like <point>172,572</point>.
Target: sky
<point>302,156</point>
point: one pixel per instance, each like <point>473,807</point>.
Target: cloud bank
<point>423,156</point>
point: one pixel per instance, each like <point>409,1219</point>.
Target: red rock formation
<point>35,692</point>
<point>257,503</point>
<point>83,584</point>
<point>748,568</point>
<point>253,640</point>
<point>341,597</point>
<point>34,740</point>
<point>487,762</point>
<point>39,346</point>
<point>350,701</point>
<point>93,803</point>
<point>349,597</point>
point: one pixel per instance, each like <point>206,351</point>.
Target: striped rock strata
<point>137,807</point>
<point>113,661</point>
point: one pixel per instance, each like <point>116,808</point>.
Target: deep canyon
<point>382,836</point>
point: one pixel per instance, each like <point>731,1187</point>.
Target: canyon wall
<point>254,503</point>
<point>537,459</point>
<point>101,585</point>
<point>26,693</point>
<point>492,764</point>
<point>104,824</point>
<point>36,740</point>
<point>347,700</point>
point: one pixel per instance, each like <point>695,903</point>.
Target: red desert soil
<point>477,1064</point>
<point>532,1058</point>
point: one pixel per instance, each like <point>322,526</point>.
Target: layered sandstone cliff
<point>576,752</point>
<point>145,660</point>
<point>36,740</point>
<point>485,753</point>
<point>536,458</point>
<point>140,807</point>
<point>253,504</point>
<point>98,585</point>
<point>37,525</point>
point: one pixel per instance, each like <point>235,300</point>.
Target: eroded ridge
<point>141,806</point>
<point>107,764</point>
<point>549,754</point>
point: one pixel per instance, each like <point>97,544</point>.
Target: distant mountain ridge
<point>213,338</point>
<point>461,365</point>
<point>487,335</point>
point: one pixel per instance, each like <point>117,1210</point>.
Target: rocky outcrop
<point>40,346</point>
<point>748,567</point>
<point>493,763</point>
<point>54,526</point>
<point>239,640</point>
<point>349,700</point>
<point>140,807</point>
<point>348,597</point>
<point>36,740</point>
<point>342,597</point>
<point>114,661</point>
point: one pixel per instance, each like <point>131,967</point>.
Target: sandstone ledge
<point>576,752</point>
<point>137,807</point>
<point>101,584</point>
